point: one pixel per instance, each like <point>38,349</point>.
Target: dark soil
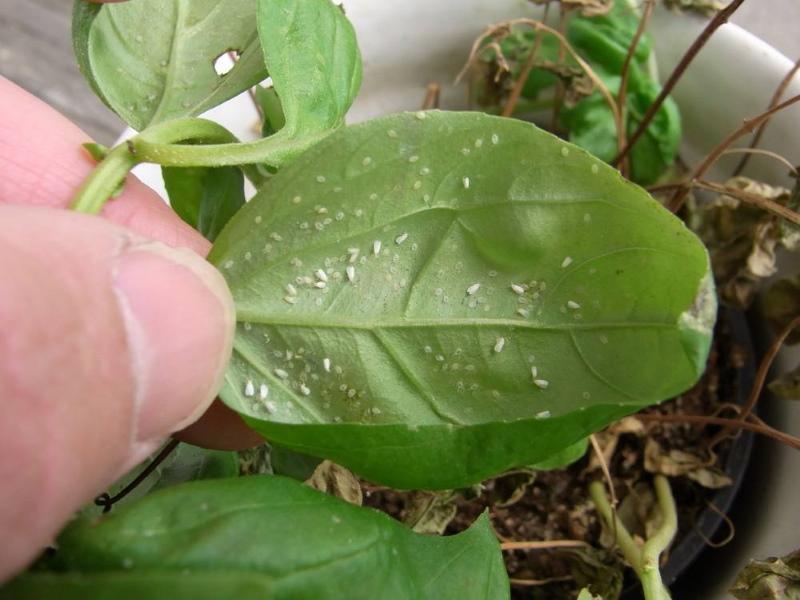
<point>556,505</point>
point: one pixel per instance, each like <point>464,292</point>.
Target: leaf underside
<point>263,537</point>
<point>410,374</point>
<point>153,60</point>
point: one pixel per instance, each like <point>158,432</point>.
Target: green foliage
<point>418,390</point>
<point>603,41</point>
<point>312,55</point>
<point>205,198</point>
<point>263,536</point>
<point>153,60</point>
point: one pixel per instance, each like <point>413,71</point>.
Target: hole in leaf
<point>225,62</point>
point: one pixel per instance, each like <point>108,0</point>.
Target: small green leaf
<point>440,297</point>
<point>205,198</point>
<point>279,538</point>
<point>154,60</point>
<point>312,55</point>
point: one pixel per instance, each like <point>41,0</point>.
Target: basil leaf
<point>152,584</point>
<point>205,198</point>
<point>311,51</point>
<point>153,60</point>
<point>591,126</point>
<point>410,374</point>
<point>563,459</point>
<point>278,536</point>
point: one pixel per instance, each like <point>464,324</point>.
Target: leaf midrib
<point>327,322</point>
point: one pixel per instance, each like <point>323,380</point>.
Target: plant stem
<point>519,84</point>
<point>777,209</point>
<point>713,156</point>
<point>543,545</point>
<point>107,502</point>
<point>624,540</point>
<point>719,19</point>
<point>761,428</point>
<point>274,151</point>
<point>644,561</point>
<point>104,182</point>
<point>776,97</point>
<point>651,574</point>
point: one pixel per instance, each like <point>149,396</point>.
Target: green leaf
<point>150,584</point>
<point>417,391</point>
<point>153,60</point>
<point>312,55</point>
<point>564,458</point>
<point>591,126</point>
<point>205,198</point>
<point>279,539</point>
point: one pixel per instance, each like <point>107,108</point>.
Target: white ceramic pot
<point>406,45</point>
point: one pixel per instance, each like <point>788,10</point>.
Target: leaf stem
<point>104,182</point>
<point>275,151</point>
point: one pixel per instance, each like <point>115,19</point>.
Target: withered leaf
<point>787,386</point>
<point>781,304</point>
<point>742,239</point>
<point>776,578</point>
<point>429,512</point>
<point>677,462</point>
<point>335,480</point>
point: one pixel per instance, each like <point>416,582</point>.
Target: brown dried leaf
<point>511,487</point>
<point>600,571</point>
<point>776,578</point>
<point>588,8</point>
<point>335,480</point>
<point>677,462</point>
<point>429,512</point>
<point>787,386</point>
<point>704,7</point>
<point>609,438</point>
<point>743,239</point>
<point>781,304</point>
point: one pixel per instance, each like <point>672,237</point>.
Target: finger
<point>110,342</point>
<point>43,164</point>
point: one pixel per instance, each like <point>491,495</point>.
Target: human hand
<point>114,332</point>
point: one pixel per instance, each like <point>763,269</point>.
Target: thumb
<point>109,342</point>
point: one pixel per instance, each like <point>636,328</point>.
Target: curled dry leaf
<point>777,578</point>
<point>781,304</point>
<point>704,7</point>
<point>787,386</point>
<point>609,438</point>
<point>334,480</point>
<point>675,463</point>
<point>743,239</point>
<point>599,571</point>
<point>588,8</point>
<point>429,512</point>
